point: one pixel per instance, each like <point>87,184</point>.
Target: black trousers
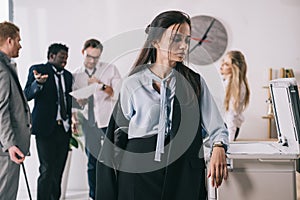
<point>52,153</point>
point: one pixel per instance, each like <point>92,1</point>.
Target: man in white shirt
<point>96,109</point>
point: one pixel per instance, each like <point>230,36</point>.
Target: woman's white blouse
<point>150,112</point>
<point>235,118</point>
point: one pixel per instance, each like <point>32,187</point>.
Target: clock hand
<point>199,39</point>
<point>204,36</point>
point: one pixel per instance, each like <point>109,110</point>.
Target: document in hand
<point>85,92</point>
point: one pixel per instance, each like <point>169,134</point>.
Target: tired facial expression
<point>174,43</point>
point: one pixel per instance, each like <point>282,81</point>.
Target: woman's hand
<point>218,167</point>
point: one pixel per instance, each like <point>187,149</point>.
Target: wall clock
<point>209,40</point>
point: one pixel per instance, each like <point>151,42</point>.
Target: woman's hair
<point>238,77</point>
<point>155,31</point>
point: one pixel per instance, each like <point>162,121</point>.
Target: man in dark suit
<point>49,85</point>
<point>14,114</point>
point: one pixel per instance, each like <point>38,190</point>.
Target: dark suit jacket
<point>46,99</point>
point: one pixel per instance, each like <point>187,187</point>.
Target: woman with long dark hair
<point>162,108</point>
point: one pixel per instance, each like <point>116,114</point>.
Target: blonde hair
<point>237,78</point>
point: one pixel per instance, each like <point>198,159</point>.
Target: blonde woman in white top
<point>234,69</point>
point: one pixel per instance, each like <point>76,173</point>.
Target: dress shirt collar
<point>157,78</point>
<point>5,58</point>
<point>57,72</point>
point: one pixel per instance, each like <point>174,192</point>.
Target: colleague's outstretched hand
<point>40,78</point>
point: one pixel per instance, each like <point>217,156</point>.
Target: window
<point>6,10</point>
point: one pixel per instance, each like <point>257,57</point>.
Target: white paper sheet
<point>85,92</point>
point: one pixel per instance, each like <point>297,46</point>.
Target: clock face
<point>209,40</point>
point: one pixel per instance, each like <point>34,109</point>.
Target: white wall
<point>267,32</point>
